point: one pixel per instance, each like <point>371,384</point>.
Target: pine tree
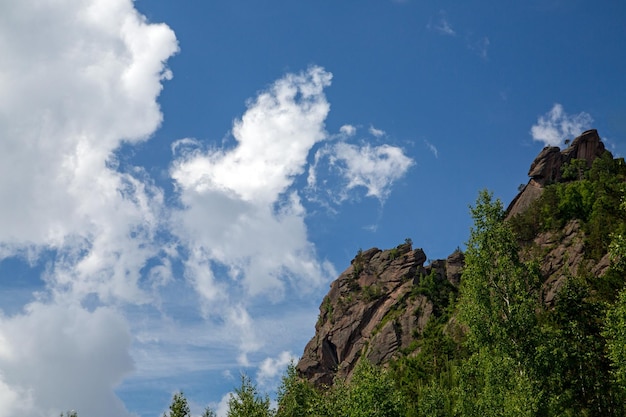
<point>178,407</point>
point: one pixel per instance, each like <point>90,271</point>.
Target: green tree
<point>616,334</point>
<point>209,412</point>
<point>498,296</point>
<point>575,371</point>
<point>370,393</point>
<point>178,407</point>
<point>246,401</point>
<point>498,302</point>
<point>296,396</point>
<point>493,384</point>
<point>615,327</point>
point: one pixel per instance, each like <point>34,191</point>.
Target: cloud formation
<point>74,89</point>
<point>55,357</point>
<point>374,168</point>
<point>432,148</point>
<point>238,210</point>
<point>271,369</point>
<point>441,25</point>
<point>376,132</point>
<point>82,84</point>
<point>556,125</point>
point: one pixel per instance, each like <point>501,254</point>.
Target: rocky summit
<point>380,305</point>
<point>546,168</point>
<point>373,310</point>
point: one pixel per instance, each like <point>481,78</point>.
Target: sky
<point>180,181</point>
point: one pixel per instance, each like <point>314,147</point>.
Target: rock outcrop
<point>546,168</point>
<point>372,310</point>
<point>563,256</point>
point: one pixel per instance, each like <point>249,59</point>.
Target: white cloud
<point>441,25</point>
<point>80,85</point>
<point>432,148</point>
<point>237,211</point>
<point>60,357</point>
<point>347,130</point>
<point>74,89</point>
<point>555,126</point>
<point>374,168</point>
<point>273,137</point>
<point>376,132</point>
<point>240,215</point>
<point>272,369</point>
<point>221,408</point>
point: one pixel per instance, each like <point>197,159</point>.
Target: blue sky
<point>181,181</point>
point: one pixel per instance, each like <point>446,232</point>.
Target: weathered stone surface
<point>546,168</point>
<point>587,146</point>
<point>563,254</point>
<point>370,311</point>
<point>454,267</point>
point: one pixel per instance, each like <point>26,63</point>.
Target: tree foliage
<point>498,292</point>
<point>178,407</point>
<point>247,402</point>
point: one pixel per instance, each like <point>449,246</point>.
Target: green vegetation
<point>358,264</point>
<point>438,290</point>
<point>246,401</point>
<point>372,292</point>
<point>178,407</point>
<point>592,196</point>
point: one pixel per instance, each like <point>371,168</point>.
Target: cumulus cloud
<point>73,91</point>
<point>78,79</point>
<point>374,168</point>
<point>58,357</point>
<point>271,369</point>
<point>273,137</point>
<point>556,125</point>
<point>238,211</point>
<point>376,132</point>
<point>347,130</point>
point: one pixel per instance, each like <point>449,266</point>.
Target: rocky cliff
<point>374,310</point>
<point>546,168</point>
<point>379,306</point>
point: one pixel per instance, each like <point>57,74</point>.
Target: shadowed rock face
<point>546,168</point>
<point>373,311</point>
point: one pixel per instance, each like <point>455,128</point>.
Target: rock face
<point>563,254</point>
<point>373,311</point>
<point>546,168</point>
